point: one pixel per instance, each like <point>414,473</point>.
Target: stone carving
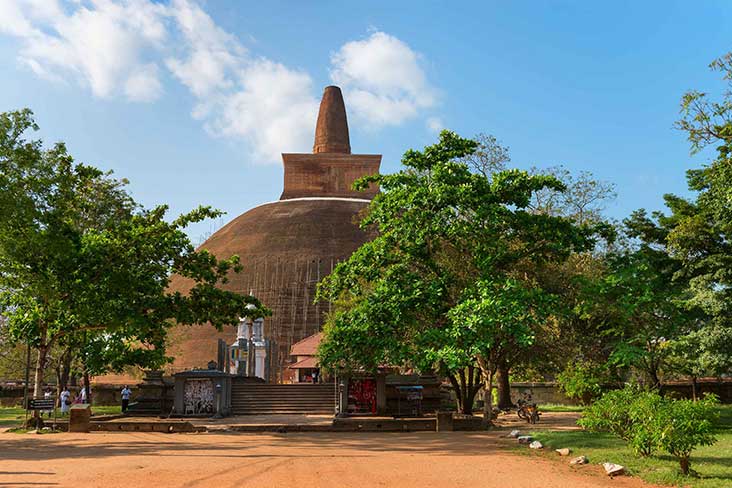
<point>198,396</point>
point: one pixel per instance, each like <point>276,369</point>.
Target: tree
<point>583,200</point>
<point>701,229</point>
<point>703,352</point>
<point>489,156</point>
<point>447,283</point>
<point>83,266</point>
<point>566,336</point>
<point>645,310</point>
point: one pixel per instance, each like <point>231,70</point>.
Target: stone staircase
<point>296,398</point>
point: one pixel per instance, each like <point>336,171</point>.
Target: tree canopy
<point>448,281</point>
<point>83,265</point>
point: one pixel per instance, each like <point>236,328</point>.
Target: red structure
<point>289,245</point>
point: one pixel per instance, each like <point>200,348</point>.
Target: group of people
<point>66,400</point>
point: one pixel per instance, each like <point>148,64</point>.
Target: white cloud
<point>144,85</point>
<point>383,79</point>
<point>263,102</point>
<point>100,43</point>
<point>211,54</point>
<point>434,124</point>
<point>273,108</point>
<point>125,48</point>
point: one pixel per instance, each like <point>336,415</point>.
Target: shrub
<point>629,414</point>
<point>646,422</point>
<point>581,382</point>
<point>683,425</point>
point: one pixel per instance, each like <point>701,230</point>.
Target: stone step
<point>236,411</point>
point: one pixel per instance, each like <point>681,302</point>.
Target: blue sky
<point>193,101</point>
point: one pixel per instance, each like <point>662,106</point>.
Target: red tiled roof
<point>307,363</point>
<point>307,346</point>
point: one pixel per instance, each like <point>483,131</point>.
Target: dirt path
<point>423,459</point>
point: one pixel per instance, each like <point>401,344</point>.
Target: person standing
<point>65,400</point>
<point>83,394</point>
<point>47,395</point>
<point>126,392</point>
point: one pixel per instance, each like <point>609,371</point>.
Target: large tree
<point>447,284</point>
<point>700,234</point>
<point>83,268</point>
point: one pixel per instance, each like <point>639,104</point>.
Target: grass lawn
<point>713,464</point>
<point>551,407</point>
<point>11,416</point>
<point>14,416</point>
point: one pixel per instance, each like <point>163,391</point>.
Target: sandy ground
<point>420,459</point>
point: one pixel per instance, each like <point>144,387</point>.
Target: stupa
<point>288,245</point>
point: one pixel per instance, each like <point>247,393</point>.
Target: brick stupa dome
<point>288,245</point>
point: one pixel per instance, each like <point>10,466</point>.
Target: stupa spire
<point>331,132</point>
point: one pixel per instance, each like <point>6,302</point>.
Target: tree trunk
<point>87,386</point>
<point>488,401</point>
<point>38,382</point>
<point>474,385</point>
<point>693,388</point>
<point>466,387</point>
<point>63,370</point>
<point>684,463</point>
<point>487,372</point>
<point>504,387</point>
<point>458,392</point>
<point>40,370</point>
<point>653,375</point>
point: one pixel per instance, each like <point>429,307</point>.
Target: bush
<point>683,425</point>
<point>581,382</point>
<point>646,422</point>
<point>628,414</point>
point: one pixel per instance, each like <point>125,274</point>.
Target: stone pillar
<point>444,422</point>
<point>79,417</point>
<point>180,386</point>
<point>381,404</point>
<point>342,385</point>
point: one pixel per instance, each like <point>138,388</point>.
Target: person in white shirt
<point>82,398</point>
<point>126,392</point>
<point>65,400</point>
<point>47,395</point>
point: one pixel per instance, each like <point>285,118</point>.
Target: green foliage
<point>82,265</point>
<point>647,422</point>
<point>712,464</point>
<point>700,229</point>
<point>630,414</point>
<point>683,425</point>
<point>448,283</point>
<point>703,352</point>
<point>421,293</point>
<point>582,381</point>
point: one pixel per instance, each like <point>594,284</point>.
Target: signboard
<point>41,404</point>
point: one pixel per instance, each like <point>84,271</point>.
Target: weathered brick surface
<point>328,175</point>
<point>286,247</point>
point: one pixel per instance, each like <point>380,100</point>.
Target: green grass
<point>552,407</point>
<point>11,416</point>
<point>106,409</point>
<point>712,464</point>
<point>14,416</point>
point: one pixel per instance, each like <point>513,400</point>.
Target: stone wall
<point>540,393</point>
<point>549,393</point>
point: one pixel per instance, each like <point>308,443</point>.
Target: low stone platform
<point>280,423</point>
